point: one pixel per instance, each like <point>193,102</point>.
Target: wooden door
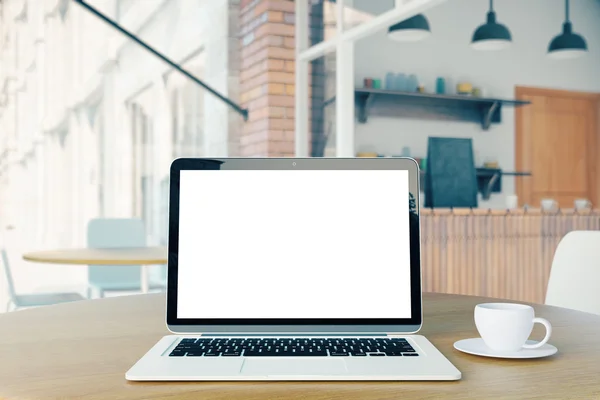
<point>557,139</point>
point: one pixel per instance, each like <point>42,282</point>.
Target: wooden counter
<point>495,253</point>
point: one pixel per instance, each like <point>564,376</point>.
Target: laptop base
<point>430,365</point>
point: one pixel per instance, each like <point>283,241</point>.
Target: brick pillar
<point>267,77</point>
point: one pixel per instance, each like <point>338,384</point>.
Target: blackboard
<point>450,173</point>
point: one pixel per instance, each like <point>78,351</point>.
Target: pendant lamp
<point>567,45</point>
<point>491,35</point>
<point>410,30</point>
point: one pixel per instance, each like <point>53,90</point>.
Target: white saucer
<point>477,347</point>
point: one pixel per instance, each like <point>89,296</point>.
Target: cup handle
<point>548,333</point>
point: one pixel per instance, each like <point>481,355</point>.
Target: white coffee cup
<point>512,201</point>
<point>582,204</point>
<point>505,327</point>
<point>549,204</point>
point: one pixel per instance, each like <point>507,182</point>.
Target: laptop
<point>294,269</point>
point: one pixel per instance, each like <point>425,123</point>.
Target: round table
<point>83,349</point>
<point>88,256</point>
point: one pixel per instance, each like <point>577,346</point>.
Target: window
<point>123,6</point>
<point>187,114</point>
<point>142,171</point>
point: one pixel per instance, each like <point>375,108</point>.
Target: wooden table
<point>82,350</point>
<point>109,257</point>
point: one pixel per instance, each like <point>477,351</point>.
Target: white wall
<point>533,23</point>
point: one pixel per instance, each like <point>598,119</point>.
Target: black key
<point>358,354</point>
<point>250,353</point>
<point>209,354</point>
<point>195,354</point>
<point>411,350</point>
<point>410,354</point>
<point>377,354</point>
<point>339,354</point>
<point>285,354</point>
<point>187,340</point>
<point>228,354</point>
<point>393,354</point>
<point>314,353</point>
<point>176,353</point>
<point>263,354</point>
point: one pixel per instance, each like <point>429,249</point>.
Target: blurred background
<point>507,140</point>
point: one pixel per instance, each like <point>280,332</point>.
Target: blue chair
<point>117,233</point>
<point>17,301</point>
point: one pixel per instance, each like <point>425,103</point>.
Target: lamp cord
<point>567,10</point>
<point>492,5</point>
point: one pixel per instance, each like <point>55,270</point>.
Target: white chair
<point>17,301</point>
<point>106,233</point>
<point>575,274</point>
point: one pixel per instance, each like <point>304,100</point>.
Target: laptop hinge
<point>287,334</point>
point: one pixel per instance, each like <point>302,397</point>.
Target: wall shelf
<point>427,105</point>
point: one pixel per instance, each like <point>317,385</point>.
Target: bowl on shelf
<point>464,88</point>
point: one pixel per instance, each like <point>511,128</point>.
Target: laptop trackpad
<point>293,366</point>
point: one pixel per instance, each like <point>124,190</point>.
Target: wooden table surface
<point>82,350</point>
<point>124,256</point>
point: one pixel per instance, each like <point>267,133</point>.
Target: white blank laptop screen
<point>294,244</point>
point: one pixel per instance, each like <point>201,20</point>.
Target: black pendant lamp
<point>491,35</point>
<point>410,30</point>
<point>568,44</point>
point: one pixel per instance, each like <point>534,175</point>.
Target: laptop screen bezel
<point>312,325</point>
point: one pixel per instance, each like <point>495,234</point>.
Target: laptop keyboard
<point>287,347</point>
